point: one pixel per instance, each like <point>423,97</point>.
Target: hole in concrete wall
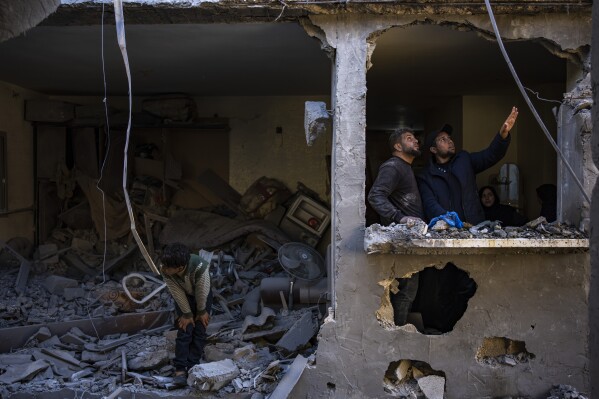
<point>407,378</point>
<point>501,351</point>
<point>432,300</point>
<point>331,386</point>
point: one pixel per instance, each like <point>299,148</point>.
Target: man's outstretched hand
<point>509,123</point>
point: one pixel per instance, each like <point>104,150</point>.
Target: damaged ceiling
<point>262,59</point>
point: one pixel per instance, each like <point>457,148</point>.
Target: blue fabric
<point>451,218</point>
<point>435,189</point>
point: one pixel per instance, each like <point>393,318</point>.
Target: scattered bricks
<point>73,293</point>
<point>57,284</point>
<point>212,376</point>
<point>433,386</point>
<point>148,360</point>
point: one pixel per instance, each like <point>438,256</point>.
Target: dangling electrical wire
<point>107,150</point>
<point>532,108</point>
<point>120,31</point>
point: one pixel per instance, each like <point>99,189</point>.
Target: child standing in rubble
<point>187,277</point>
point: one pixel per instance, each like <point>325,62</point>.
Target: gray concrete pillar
<point>594,243</point>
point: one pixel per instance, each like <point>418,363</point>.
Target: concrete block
<point>212,376</point>
<point>433,386</point>
<point>57,284</point>
<point>148,360</point>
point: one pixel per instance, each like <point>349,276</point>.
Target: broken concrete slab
<point>299,334</point>
<point>258,321</point>
<point>22,372</point>
<point>41,335</point>
<point>8,359</point>
<point>212,376</point>
<point>148,360</point>
<point>284,388</point>
<point>57,284</point>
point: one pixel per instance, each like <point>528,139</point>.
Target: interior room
<point>424,76</point>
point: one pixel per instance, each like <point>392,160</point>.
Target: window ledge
<point>381,243</point>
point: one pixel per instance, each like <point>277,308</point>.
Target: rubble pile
<point>264,317</point>
<point>536,229</point>
<point>414,379</point>
<point>565,392</point>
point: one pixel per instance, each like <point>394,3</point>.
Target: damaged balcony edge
<point>439,246</point>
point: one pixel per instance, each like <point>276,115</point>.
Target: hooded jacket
<point>435,187</point>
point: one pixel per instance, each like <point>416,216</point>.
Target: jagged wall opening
<point>501,351</point>
<point>407,378</point>
<point>432,300</point>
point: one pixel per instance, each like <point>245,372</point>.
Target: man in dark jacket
<point>448,183</point>
<point>395,197</point>
<point>394,194</point>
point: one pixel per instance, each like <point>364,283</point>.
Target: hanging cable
<point>120,31</point>
<point>532,108</point>
<point>107,146</point>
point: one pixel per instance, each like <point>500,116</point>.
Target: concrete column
<point>594,243</point>
<point>574,139</point>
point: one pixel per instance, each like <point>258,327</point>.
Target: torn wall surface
<point>516,293</point>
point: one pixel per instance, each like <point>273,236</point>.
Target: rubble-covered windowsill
<point>534,238</point>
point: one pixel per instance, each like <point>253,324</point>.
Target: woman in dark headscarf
<point>547,194</point>
<point>506,214</point>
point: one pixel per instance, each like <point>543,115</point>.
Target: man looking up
<point>395,197</point>
<point>448,183</point>
<point>394,194</point>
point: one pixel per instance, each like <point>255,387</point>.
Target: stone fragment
<point>57,284</point>
<point>41,335</point>
<point>251,304</point>
<point>245,352</point>
<point>403,369</point>
<point>212,376</point>
<point>147,360</point>
<point>433,386</point>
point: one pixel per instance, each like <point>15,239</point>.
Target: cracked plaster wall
<point>513,290</point>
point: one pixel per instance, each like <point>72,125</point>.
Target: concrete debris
<point>212,376</point>
<point>433,386</point>
<point>386,239</point>
<point>71,285</point>
<point>414,379</point>
<point>299,334</point>
<point>565,392</point>
<point>22,372</point>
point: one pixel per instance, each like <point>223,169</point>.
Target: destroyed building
<point>260,126</point>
